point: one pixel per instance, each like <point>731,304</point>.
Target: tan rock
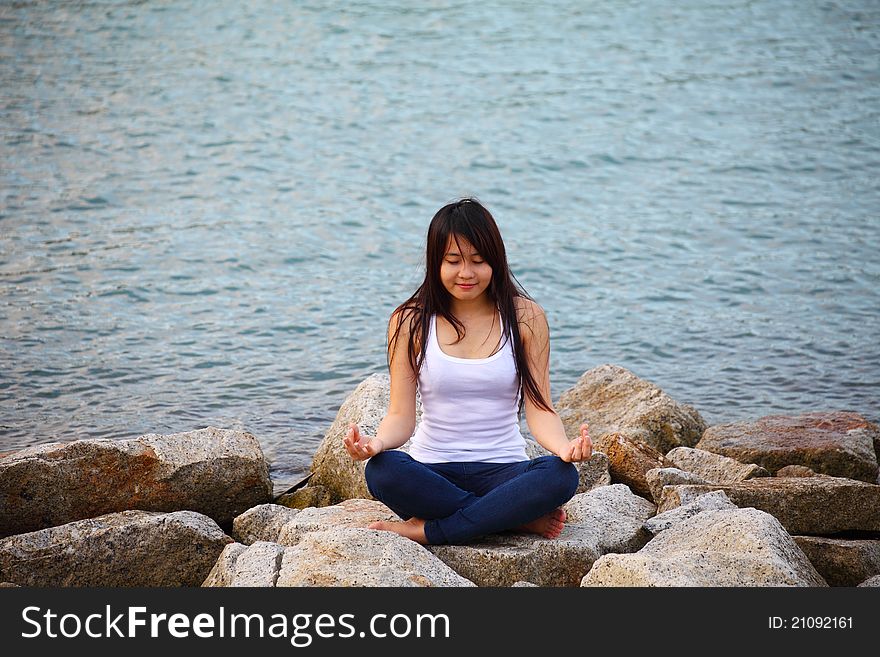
<point>714,468</point>
<point>842,562</point>
<point>262,523</point>
<point>713,501</point>
<point>336,557</point>
<point>733,547</point>
<point>804,505</point>
<point>506,558</point>
<point>129,548</point>
<point>612,399</point>
<point>346,514</point>
<point>217,472</point>
<point>657,478</point>
<point>795,471</point>
<point>305,497</point>
<point>629,461</point>
<point>837,443</point>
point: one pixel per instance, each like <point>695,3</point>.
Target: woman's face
<point>464,273</point>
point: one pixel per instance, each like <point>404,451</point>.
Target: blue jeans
<point>461,501</point>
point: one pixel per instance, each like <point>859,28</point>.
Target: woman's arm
<point>546,426</point>
<point>400,420</point>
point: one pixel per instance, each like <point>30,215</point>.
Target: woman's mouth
<point>466,287</point>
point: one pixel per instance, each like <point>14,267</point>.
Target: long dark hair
<point>466,218</point>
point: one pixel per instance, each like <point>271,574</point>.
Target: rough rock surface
<point>612,399</point>
<point>734,547</point>
<point>306,496</point>
<point>796,471</point>
<point>714,468</point>
<point>804,505</point>
<point>593,473</point>
<point>129,548</point>
<point>837,443</point>
<point>871,581</point>
<point>629,461</point>
<point>262,523</point>
<point>217,472</point>
<point>344,556</point>
<point>657,478</point>
<point>842,562</point>
<point>713,501</point>
<point>605,519</point>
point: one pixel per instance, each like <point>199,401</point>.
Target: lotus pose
<point>477,349</point>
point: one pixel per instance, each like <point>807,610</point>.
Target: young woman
<point>472,342</point>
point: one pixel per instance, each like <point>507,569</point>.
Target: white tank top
<point>469,407</point>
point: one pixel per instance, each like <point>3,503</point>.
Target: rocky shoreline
<point>665,501</point>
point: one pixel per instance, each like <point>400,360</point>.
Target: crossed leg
<point>524,496</point>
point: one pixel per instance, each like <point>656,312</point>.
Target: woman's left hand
<point>579,449</point>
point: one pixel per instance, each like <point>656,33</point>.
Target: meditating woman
<point>477,349</point>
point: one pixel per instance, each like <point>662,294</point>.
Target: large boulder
<point>733,547</point>
<point>129,548</point>
<point>842,562</point>
<point>804,505</point>
<point>217,472</point>
<point>837,443</point>
<point>612,399</point>
<point>713,467</point>
<point>343,556</point>
<point>630,461</point>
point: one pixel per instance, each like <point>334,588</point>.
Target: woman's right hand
<point>359,446</point>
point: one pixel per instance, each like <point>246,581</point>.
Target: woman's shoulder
<point>528,311</point>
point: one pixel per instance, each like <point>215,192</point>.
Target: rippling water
<point>208,210</point>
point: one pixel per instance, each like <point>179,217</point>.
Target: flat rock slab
<point>504,559</point>
<point>804,505</point>
<point>130,548</point>
<point>344,556</point>
<point>842,562</point>
<point>836,443</point>
<point>658,478</point>
<point>733,547</point>
<point>611,399</point>
<point>715,468</point>
<point>217,472</point>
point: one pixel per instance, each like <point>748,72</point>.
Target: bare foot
<point>548,526</point>
<point>413,529</point>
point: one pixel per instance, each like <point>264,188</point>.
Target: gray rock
<point>516,585</point>
<point>714,468</point>
<point>337,557</point>
<point>605,519</point>
<point>733,547</point>
<point>871,581</point>
<point>708,502</point>
<point>506,558</point>
<point>261,523</point>
<point>217,472</point>
<point>613,515</point>
<point>241,566</point>
<point>614,400</point>
<point>842,562</point>
<point>836,443</point>
<point>129,548</point>
<point>657,478</point>
<point>804,505</point>
<point>348,513</point>
<point>593,473</point>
